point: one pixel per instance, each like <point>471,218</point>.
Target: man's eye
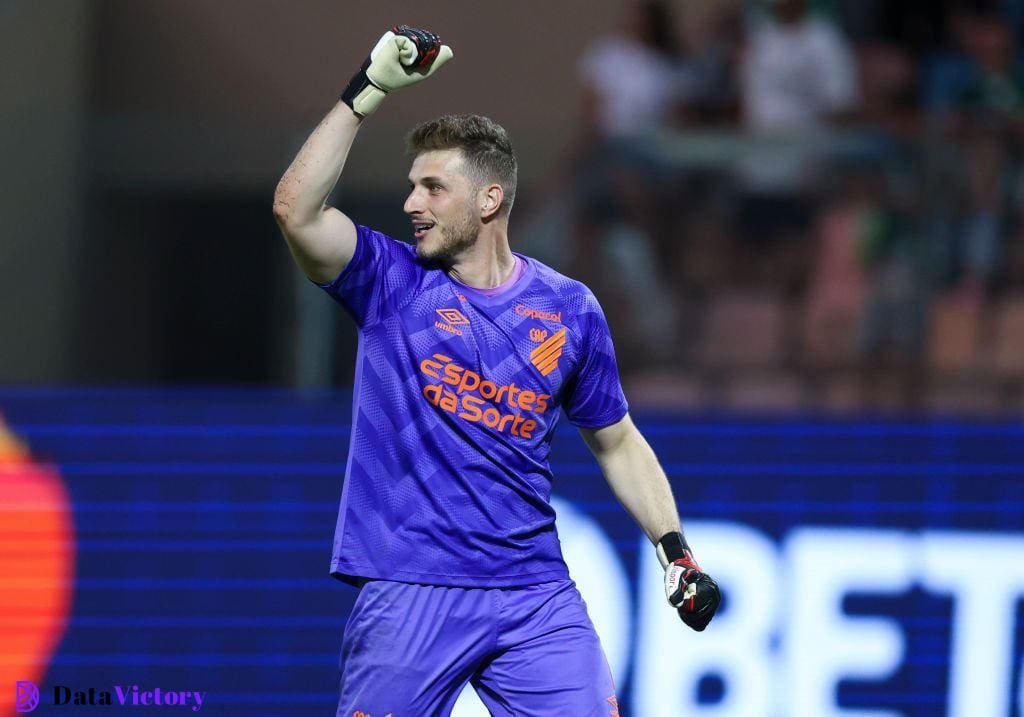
<point>435,187</point>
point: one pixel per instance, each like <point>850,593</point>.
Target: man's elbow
<point>284,207</point>
<point>291,210</point>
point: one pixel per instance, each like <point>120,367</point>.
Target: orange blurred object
<point>37,566</point>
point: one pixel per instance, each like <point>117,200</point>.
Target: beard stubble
<point>456,237</point>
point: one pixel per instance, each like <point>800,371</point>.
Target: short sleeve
<point>594,396</point>
<point>380,272</point>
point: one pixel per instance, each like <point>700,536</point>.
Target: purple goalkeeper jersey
<point>457,395</point>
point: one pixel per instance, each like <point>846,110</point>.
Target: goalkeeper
<point>467,353</point>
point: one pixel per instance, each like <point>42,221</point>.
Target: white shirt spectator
<point>636,87</point>
<point>795,76</point>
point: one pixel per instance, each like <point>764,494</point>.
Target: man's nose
<point>413,203</point>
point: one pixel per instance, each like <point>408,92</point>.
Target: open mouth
<point>420,229</point>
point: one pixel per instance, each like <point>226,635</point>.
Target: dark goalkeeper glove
<point>688,589</point>
<point>403,56</point>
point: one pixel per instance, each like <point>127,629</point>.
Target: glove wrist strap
<point>361,94</point>
<point>672,547</point>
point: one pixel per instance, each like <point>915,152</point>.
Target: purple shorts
<point>409,650</point>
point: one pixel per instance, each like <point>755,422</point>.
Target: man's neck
<point>488,263</point>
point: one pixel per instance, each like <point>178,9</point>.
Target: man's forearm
<point>636,478</point>
<point>639,483</point>
<point>306,184</point>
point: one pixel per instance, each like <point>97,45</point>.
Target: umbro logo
<point>452,316</point>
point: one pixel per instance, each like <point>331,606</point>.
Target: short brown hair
<point>485,144</point>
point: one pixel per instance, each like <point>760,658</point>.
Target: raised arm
<point>322,240</point>
<point>635,476</point>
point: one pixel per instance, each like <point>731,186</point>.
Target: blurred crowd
<point>790,204</point>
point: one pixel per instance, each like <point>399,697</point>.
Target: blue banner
<point>163,544</point>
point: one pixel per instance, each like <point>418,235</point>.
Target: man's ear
<point>491,198</point>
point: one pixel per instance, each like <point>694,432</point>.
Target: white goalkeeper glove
<point>403,56</point>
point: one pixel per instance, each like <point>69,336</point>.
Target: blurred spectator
<point>888,80</point>
<point>713,42</point>
<point>797,76</point>
<point>980,78</point>
<point>798,72</point>
<point>838,276</point>
<point>632,88</point>
<point>975,94</point>
<point>868,291</point>
<point>631,80</point>
<point>831,197</point>
<point>891,248</point>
